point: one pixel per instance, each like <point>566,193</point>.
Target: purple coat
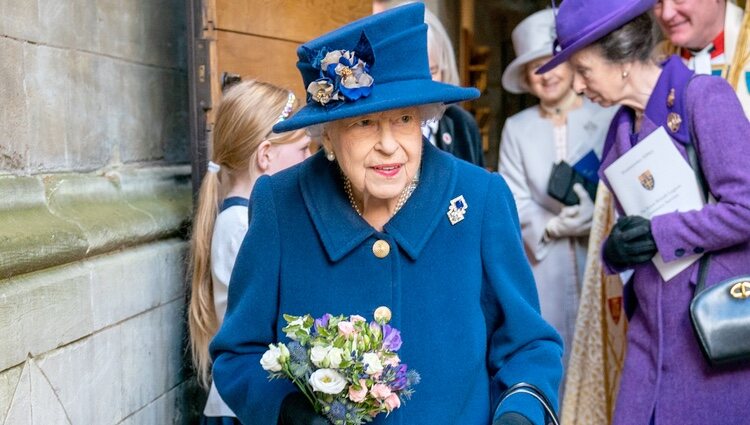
<point>665,373</point>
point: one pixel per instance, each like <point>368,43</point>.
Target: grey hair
<point>634,41</point>
<point>431,112</point>
<point>437,38</point>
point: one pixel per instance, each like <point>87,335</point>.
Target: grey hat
<point>532,39</point>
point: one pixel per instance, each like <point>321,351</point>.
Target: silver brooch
<point>457,210</point>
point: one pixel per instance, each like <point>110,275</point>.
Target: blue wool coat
<point>462,295</point>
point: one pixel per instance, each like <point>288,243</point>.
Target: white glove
<point>574,220</point>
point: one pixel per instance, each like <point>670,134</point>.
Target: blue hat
<point>582,22</point>
<point>371,65</point>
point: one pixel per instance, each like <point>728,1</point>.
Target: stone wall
<point>99,341</point>
<point>94,201</point>
<point>87,84</point>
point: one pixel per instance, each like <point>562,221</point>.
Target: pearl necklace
<point>402,198</point>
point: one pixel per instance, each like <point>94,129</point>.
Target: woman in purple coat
<point>666,378</point>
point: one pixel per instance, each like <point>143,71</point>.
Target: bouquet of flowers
<point>347,368</point>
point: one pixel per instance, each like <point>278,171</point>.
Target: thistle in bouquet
<point>347,367</point>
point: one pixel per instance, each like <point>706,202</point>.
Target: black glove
<point>297,410</point>
<point>512,418</point>
<point>630,242</point>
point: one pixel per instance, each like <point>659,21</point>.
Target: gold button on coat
<point>381,249</point>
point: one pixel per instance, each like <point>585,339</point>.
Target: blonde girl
<point>244,148</point>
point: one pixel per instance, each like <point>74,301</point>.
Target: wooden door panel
<point>293,20</point>
<point>258,39</point>
<point>259,58</point>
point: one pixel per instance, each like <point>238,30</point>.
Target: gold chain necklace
<point>402,198</point>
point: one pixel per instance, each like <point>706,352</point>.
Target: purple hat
<point>582,22</point>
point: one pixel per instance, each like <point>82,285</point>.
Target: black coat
<point>458,133</point>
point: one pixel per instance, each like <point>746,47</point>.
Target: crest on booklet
<point>647,180</point>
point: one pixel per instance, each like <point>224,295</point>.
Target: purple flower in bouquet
<point>322,322</point>
<point>399,380</point>
<point>391,338</point>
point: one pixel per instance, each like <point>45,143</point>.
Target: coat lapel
<point>671,84</point>
<point>619,139</point>
<point>413,225</point>
<point>340,228</point>
<point>668,98</point>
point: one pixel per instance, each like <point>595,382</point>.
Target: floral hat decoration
<point>344,74</point>
<point>371,65</point>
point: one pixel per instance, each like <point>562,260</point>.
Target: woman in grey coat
<point>563,127</point>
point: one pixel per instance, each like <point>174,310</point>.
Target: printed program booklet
<point>652,179</point>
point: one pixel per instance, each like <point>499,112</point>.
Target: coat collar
<point>341,229</point>
<point>668,97</point>
<point>674,76</point>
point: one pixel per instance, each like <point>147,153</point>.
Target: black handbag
<point>721,318</point>
<point>561,181</point>
<point>721,313</point>
<point>532,390</point>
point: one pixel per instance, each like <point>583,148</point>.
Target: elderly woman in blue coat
<point>380,217</point>
<point>666,379</point>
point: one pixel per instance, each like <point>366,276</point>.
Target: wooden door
<point>255,39</point>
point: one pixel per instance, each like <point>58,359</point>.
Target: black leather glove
<point>512,418</point>
<point>630,242</point>
<point>297,410</point>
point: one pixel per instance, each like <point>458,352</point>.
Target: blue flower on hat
<point>344,74</point>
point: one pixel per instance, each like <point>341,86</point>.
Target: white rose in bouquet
<point>327,381</point>
<point>318,355</point>
<point>274,357</point>
<point>374,366</point>
<point>335,356</point>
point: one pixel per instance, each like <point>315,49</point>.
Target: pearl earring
<point>625,74</point>
<point>330,156</point>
